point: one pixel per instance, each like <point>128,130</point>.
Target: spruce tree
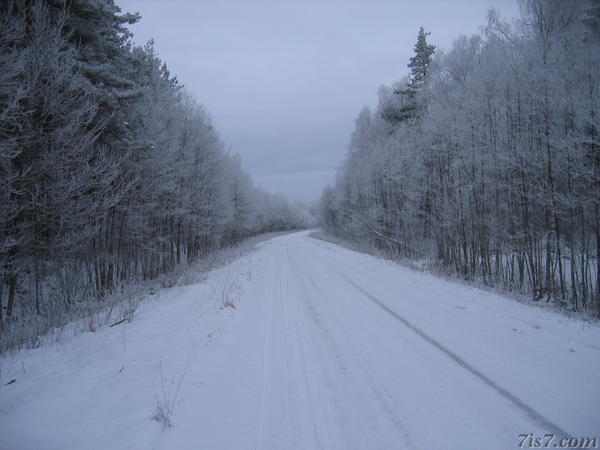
<point>419,66</point>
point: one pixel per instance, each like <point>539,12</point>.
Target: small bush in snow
<point>167,399</point>
<point>226,294</point>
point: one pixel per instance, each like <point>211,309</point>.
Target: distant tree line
<point>110,173</point>
<point>486,159</point>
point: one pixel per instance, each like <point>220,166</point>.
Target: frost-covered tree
<point>498,178</point>
<point>58,180</point>
<point>110,172</point>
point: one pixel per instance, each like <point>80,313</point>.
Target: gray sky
<point>284,80</point>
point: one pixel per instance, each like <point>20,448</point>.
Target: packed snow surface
<point>318,347</point>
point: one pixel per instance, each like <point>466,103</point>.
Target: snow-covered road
<point>326,349</point>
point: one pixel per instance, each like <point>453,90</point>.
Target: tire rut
<point>512,398</point>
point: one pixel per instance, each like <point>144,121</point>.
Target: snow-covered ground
<point>325,348</point>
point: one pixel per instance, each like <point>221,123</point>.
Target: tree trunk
<point>12,287</point>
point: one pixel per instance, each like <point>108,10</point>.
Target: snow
<point>325,348</point>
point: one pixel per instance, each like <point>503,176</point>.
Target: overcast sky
<point>284,80</point>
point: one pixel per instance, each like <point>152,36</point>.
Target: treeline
<point>486,159</point>
<point>110,173</point>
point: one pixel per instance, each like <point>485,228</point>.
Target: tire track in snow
<point>386,401</point>
<point>528,410</point>
<point>324,336</point>
<point>281,393</point>
<point>512,398</point>
<point>307,388</point>
<point>267,365</point>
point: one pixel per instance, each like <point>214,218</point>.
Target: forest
<point>485,160</point>
<point>111,173</point>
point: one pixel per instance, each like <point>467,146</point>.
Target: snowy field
<point>305,345</point>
